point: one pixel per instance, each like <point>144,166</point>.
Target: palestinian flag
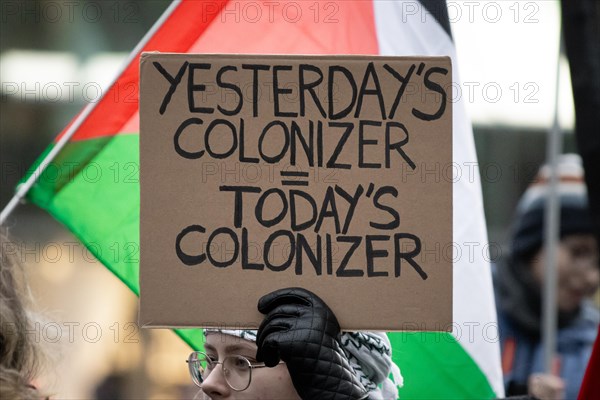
<point>97,194</point>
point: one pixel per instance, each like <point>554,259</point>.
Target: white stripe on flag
<point>406,28</point>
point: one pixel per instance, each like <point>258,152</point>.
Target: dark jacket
<point>519,321</point>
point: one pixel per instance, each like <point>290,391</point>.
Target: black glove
<point>300,329</point>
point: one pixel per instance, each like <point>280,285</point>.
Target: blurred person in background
<point>298,352</point>
<point>519,282</point>
<point>19,354</point>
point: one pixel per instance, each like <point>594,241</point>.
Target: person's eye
<point>240,363</point>
<point>252,360</point>
<point>581,252</point>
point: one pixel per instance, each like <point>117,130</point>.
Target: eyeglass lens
<point>236,370</point>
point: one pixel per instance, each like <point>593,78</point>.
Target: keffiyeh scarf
<point>370,355</point>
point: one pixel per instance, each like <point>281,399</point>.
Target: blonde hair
<point>19,361</point>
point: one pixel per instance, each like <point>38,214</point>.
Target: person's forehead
<point>228,344</point>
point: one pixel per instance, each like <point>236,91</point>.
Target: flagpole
<point>551,237</point>
<point>26,186</point>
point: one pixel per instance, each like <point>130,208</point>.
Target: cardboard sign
<point>263,172</point>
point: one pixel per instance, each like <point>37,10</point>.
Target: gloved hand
<point>300,329</point>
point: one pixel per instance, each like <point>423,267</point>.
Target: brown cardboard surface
<point>332,173</point>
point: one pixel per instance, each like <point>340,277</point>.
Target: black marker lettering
<point>395,223</point>
<point>362,142</point>
<point>308,146</point>
<point>260,205</point>
<point>370,73</point>
<point>372,254</point>
<point>261,141</point>
<point>436,88</point>
<point>352,201</point>
<point>268,244</point>
<point>310,88</point>
<point>236,247</point>
<point>184,153</point>
<point>185,258</point>
<point>174,82</point>
<point>296,227</point>
<point>238,190</point>
<point>333,115</point>
<point>277,91</point>
<point>255,68</point>
<point>246,264</point>
<point>302,246</point>
<point>329,253</point>
<point>192,88</point>
<point>242,154</point>
<point>328,202</point>
<point>320,143</point>
<point>210,129</point>
<point>331,163</point>
<point>396,146</point>
<point>232,86</point>
<point>408,256</point>
<point>404,80</point>
<point>342,271</point>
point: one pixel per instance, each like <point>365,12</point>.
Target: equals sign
<point>294,174</point>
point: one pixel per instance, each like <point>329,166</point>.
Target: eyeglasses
<point>237,370</point>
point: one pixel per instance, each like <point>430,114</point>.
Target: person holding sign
<point>519,285</point>
<point>297,353</point>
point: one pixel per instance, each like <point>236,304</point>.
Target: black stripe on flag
<point>439,10</point>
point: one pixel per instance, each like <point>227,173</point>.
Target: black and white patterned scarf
<point>370,355</point>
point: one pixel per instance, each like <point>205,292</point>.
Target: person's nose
<point>214,384</point>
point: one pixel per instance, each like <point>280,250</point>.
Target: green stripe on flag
<point>93,189</point>
<point>100,204</point>
<point>435,366</point>
<point>69,162</point>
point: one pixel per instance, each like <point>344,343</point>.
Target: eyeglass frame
<point>198,383</point>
